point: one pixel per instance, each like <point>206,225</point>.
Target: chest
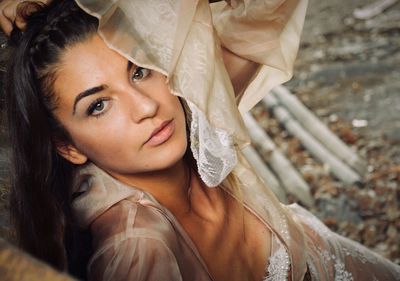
<point>235,245</point>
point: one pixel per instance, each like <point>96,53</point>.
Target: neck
<point>169,186</point>
<point>181,191</point>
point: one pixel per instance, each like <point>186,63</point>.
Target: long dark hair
<point>41,180</point>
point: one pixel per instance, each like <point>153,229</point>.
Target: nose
<point>143,106</point>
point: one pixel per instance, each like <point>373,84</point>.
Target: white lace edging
<point>212,148</point>
<point>279,264</point>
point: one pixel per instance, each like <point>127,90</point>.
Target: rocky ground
<point>348,73</point>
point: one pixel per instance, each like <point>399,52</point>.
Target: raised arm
<point>240,70</point>
<point>266,32</point>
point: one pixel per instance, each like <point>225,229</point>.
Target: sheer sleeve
<point>264,31</point>
<point>136,258</point>
<point>331,256</point>
<point>182,40</point>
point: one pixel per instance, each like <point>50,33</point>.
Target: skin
<point>132,104</point>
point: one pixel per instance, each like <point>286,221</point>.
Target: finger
<point>7,17</point>
<point>10,11</point>
<point>6,25</point>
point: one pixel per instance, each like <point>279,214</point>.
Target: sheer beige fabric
<point>177,38</point>
<point>135,238</point>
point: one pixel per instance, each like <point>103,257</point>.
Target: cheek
<point>102,140</point>
<point>112,150</point>
<point>174,105</point>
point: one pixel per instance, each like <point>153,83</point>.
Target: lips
<point>162,133</point>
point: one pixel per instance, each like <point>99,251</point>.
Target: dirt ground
<point>347,73</point>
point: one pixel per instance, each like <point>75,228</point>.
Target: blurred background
<point>348,74</point>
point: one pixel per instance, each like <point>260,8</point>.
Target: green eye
<point>97,107</point>
<point>140,73</point>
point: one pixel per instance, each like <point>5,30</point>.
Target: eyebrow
<point>86,93</point>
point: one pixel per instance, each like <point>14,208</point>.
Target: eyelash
<point>136,71</point>
<point>92,108</point>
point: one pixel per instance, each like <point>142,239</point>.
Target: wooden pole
<point>264,172</point>
<point>337,167</point>
<point>291,179</point>
<point>319,130</point>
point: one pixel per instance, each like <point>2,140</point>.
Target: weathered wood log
<point>291,179</point>
<point>319,130</point>
<point>336,166</point>
<point>373,9</point>
<point>265,173</point>
<point>16,265</point>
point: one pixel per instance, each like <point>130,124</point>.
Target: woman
<point>106,119</point>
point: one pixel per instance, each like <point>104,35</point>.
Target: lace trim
<point>279,264</point>
<point>326,257</point>
<point>341,274</point>
<point>212,148</point>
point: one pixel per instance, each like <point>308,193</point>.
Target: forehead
<point>85,65</point>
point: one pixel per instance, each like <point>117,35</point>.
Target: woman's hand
<point>8,14</point>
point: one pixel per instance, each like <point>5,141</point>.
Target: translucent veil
<point>182,39</point>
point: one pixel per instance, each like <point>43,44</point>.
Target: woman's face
<point>121,117</point>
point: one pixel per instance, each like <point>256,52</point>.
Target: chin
<point>170,157</point>
<point>171,152</point>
